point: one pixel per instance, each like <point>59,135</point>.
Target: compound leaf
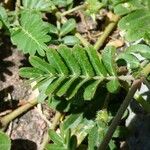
<point>31,35</point>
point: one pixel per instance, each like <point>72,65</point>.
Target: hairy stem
<point>56,119</point>
<point>73,9</point>
<point>117,118</point>
<point>8,118</point>
<point>106,32</point>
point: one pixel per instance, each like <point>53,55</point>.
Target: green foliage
<point>130,53</point>
<point>62,3</point>
<point>64,141</point>
<point>38,5</point>
<point>70,69</point>
<point>136,24</point>
<point>3,17</point>
<point>93,6</point>
<point>67,27</point>
<point>127,6</point>
<point>123,7</point>
<point>5,142</point>
<point>31,34</point>
<point>109,61</point>
<point>78,81</point>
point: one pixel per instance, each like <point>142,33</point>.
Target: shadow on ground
<point>23,144</point>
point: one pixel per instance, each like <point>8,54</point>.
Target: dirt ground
<point>27,130</point>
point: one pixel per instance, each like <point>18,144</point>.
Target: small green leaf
<point>128,6</point>
<point>72,121</point>
<point>41,65</point>
<point>109,60</point>
<point>66,53</point>
<point>142,49</point>
<point>54,85</point>
<point>136,25</point>
<point>73,143</point>
<point>70,40</point>
<point>90,90</point>
<point>65,87</point>
<point>130,59</point>
<point>28,72</point>
<point>5,142</point>
<point>43,84</point>
<point>56,61</point>
<point>67,27</point>
<point>3,17</point>
<point>39,5</point>
<point>72,92</point>
<point>113,86</point>
<point>81,57</point>
<point>53,29</point>
<point>57,139</point>
<point>96,61</point>
<point>93,138</point>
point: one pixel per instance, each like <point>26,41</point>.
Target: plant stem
<point>117,118</point>
<point>83,40</point>
<point>57,117</point>
<point>106,32</point>
<point>8,118</point>
<point>73,9</point>
<point>56,120</point>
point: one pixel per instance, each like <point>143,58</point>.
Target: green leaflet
<point>53,29</point>
<point>130,59</point>
<point>66,53</point>
<point>54,85</point>
<point>129,6</point>
<point>28,72</point>
<point>93,6</point>
<point>142,49</point>
<point>3,17</point>
<point>75,89</point>
<point>65,87</point>
<point>113,86</point>
<point>96,61</point>
<point>67,27</point>
<point>39,5</point>
<point>5,142</point>
<point>108,60</point>
<point>136,25</point>
<point>71,40</point>
<point>93,138</point>
<point>31,35</point>
<point>44,83</point>
<point>41,65</point>
<point>90,90</point>
<point>55,137</point>
<point>72,121</point>
<point>80,55</point>
<point>62,3</point>
<point>56,61</point>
